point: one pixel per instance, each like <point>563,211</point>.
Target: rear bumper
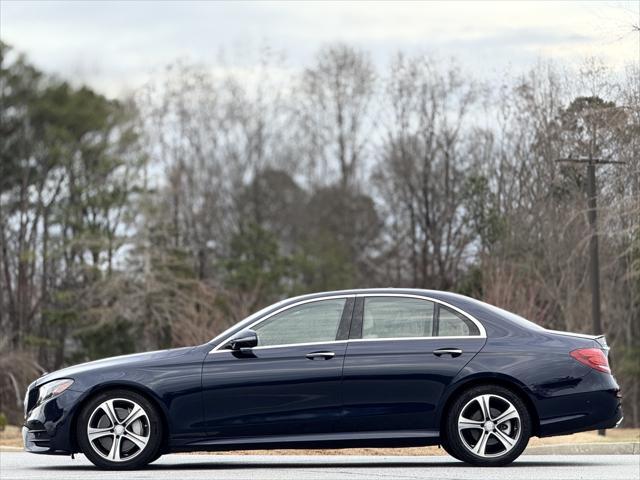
<point>583,412</point>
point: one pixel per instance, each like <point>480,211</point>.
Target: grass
<point>11,437</point>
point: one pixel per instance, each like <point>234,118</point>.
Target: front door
<point>402,354</point>
<point>289,383</point>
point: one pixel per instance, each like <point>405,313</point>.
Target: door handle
<point>454,352</point>
<point>324,355</point>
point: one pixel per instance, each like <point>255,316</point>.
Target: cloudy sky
<point>116,46</point>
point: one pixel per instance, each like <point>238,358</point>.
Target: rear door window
<point>397,317</point>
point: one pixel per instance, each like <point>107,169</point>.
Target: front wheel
<point>119,430</point>
<point>488,426</point>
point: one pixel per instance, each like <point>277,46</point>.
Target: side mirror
<point>244,341</point>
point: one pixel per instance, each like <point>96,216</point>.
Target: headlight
<point>53,389</point>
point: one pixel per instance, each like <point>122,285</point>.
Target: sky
<point>117,46</point>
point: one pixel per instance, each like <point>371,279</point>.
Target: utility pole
<point>592,208</point>
<point>593,248</point>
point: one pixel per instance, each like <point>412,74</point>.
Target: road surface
<point>23,466</point>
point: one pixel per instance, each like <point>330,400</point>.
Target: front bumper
<point>48,428</point>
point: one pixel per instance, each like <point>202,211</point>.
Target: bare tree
<point>422,172</point>
<point>334,105</point>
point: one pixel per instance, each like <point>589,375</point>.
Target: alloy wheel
<point>118,429</point>
<point>489,425</point>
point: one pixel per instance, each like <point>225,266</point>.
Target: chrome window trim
<point>403,339</point>
<point>280,310</point>
<point>284,345</point>
<point>475,321</point>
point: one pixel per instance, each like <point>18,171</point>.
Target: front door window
<point>311,322</point>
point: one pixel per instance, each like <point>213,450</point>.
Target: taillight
<point>592,357</point>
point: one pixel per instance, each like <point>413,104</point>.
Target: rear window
<point>517,319</point>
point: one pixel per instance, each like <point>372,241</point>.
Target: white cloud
<point>117,45</point>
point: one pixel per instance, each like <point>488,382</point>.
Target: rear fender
<point>477,379</point>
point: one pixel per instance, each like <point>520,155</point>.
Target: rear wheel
<point>119,430</point>
<point>487,426</point>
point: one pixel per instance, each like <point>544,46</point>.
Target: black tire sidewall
<point>458,449</point>
<point>448,449</point>
<point>151,451</point>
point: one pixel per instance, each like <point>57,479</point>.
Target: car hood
<point>135,358</point>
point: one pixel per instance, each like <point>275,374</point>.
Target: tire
<point>491,441</point>
<point>156,456</point>
<point>445,445</point>
<point>129,443</point>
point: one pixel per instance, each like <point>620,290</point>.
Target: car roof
<point>482,311</point>
<point>437,294</point>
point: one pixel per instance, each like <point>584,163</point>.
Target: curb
<point>613,448</point>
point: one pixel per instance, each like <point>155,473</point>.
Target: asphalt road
<point>23,466</point>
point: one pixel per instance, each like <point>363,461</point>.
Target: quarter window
<point>396,317</point>
<point>306,323</point>
<point>453,324</point>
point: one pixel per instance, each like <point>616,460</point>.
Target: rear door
<point>403,352</point>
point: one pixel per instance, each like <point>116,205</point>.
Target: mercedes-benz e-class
<point>380,367</point>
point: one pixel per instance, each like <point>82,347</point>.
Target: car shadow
<point>239,465</point>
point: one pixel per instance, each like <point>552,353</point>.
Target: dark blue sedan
<point>380,368</point>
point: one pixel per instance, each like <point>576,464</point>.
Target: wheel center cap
<point>119,430</point>
<point>489,426</point>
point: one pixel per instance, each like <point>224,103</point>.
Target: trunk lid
<point>599,339</point>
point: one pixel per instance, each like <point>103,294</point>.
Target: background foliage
<point>161,219</point>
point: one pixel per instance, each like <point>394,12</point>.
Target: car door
<point>289,383</point>
<point>403,352</point>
